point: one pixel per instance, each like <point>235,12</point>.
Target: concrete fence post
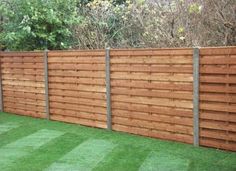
<point>46,84</point>
<point>108,90</point>
<point>1,94</point>
<point>196,96</point>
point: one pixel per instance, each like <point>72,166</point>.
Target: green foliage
<point>195,8</point>
<point>38,24</point>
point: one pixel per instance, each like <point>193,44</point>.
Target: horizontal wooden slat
<point>27,101</point>
<point>215,134</point>
<point>218,79</point>
<point>154,76</point>
<point>217,107</point>
<point>78,114</point>
<point>218,116</point>
<point>152,117</point>
<point>77,107</point>
<point>77,80</point>
<point>24,60</point>
<point>152,93</point>
<point>23,83</point>
<point>218,60</point>
<point>152,125</point>
<point>77,94</point>
<point>21,77</point>
<point>156,68</point>
<point>88,88</point>
<point>69,73</point>
<point>153,85</point>
<point>83,53</point>
<point>28,89</point>
<point>80,60</point>
<point>218,51</point>
<point>38,72</point>
<point>218,125</point>
<point>218,144</point>
<point>217,88</point>
<point>28,107</point>
<point>23,66</point>
<point>147,52</point>
<point>153,109</point>
<point>153,133</point>
<point>81,101</point>
<point>81,67</point>
<point>211,69</point>
<point>151,60</point>
<point>153,101</point>
<point>85,122</point>
<point>22,54</point>
<point>27,95</point>
<point>25,112</point>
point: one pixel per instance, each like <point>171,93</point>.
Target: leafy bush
<point>38,24</point>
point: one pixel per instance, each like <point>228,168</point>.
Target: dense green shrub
<point>38,24</point>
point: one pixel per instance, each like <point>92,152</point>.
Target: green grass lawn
<point>37,144</point>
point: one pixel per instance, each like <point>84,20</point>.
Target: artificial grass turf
<point>129,153</point>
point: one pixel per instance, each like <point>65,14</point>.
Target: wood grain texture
<point>151,91</point>
<point>218,98</point>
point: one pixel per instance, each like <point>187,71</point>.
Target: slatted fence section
<point>77,91</point>
<point>218,98</point>
<point>23,83</point>
<point>152,92</point>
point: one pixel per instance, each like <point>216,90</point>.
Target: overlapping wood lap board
<point>23,83</point>
<point>77,91</point>
<point>218,97</point>
<point>151,92</point>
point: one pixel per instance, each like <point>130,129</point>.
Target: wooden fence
<point>149,92</point>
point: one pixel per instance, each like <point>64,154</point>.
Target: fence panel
<point>23,83</point>
<point>152,93</point>
<point>218,98</point>
<point>77,90</point>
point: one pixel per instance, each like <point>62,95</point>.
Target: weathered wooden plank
<point>68,73</point>
<point>83,53</point>
<point>153,109</point>
<point>77,94</point>
<point>153,101</point>
<point>152,117</point>
<point>77,107</point>
<point>153,76</point>
<point>152,125</point>
<point>148,52</point>
<point>79,60</point>
<point>153,85</point>
<point>81,101</point>
<point>80,67</point>
<point>87,122</point>
<point>77,80</point>
<point>78,114</point>
<point>152,68</point>
<point>151,60</point>
<point>152,93</point>
<point>218,144</point>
